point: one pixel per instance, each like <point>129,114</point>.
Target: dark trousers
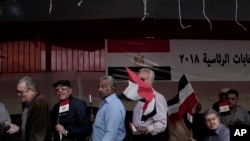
<point>159,137</point>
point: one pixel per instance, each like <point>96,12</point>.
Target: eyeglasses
<point>23,91</point>
<point>144,79</point>
<point>61,88</point>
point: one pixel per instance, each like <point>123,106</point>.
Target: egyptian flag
<point>224,108</point>
<point>64,108</point>
<point>182,104</point>
<point>139,90</point>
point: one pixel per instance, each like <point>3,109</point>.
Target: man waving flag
<point>139,90</point>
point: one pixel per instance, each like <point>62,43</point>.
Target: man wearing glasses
<point>237,115</point>
<point>70,120</point>
<point>153,127</point>
<point>36,112</point>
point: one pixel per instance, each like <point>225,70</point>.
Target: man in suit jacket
<point>36,112</point>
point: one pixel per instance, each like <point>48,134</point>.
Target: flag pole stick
<point>91,109</point>
<point>60,134</point>
<point>90,103</point>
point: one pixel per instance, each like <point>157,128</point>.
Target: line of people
<point>70,120</point>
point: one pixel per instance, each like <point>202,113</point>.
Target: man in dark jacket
<point>70,120</point>
<point>36,113</point>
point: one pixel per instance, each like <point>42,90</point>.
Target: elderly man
<point>69,116</point>
<point>109,124</point>
<point>152,127</point>
<point>217,131</point>
<point>36,112</point>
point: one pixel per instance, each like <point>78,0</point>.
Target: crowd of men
<point>69,120</point>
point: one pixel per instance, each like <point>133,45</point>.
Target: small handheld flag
<point>224,108</point>
<point>90,102</point>
<point>63,110</point>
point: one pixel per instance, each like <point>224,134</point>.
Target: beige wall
<point>207,92</point>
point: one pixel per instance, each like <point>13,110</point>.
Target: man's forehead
<point>231,95</point>
<point>60,85</point>
<point>22,84</point>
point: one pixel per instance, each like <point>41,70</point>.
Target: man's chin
<point>213,128</point>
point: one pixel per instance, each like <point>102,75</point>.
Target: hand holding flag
<point>63,110</point>
<point>224,108</point>
<point>90,103</point>
<point>91,109</point>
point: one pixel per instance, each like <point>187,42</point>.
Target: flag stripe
<point>135,45</point>
<point>150,111</point>
<point>150,107</point>
<point>182,83</point>
<point>173,101</point>
<point>185,92</point>
<point>187,105</point>
<point>131,91</point>
<point>173,108</point>
<point>64,102</point>
<point>64,108</point>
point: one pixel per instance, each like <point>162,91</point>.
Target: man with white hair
<point>151,127</point>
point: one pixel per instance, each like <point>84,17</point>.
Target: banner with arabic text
<point>200,60</point>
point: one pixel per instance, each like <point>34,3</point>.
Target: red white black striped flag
<point>183,103</point>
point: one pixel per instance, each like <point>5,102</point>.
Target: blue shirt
<point>220,134</point>
<point>240,116</point>
<point>109,123</point>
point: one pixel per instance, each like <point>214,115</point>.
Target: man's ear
<point>32,89</point>
<point>70,90</point>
